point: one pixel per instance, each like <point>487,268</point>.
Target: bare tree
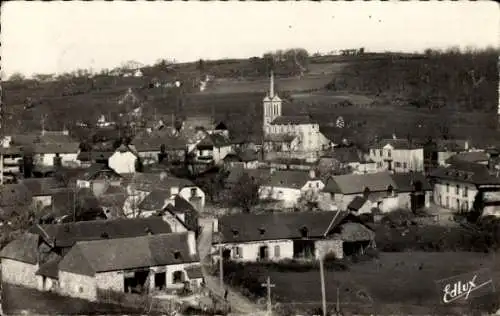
<point>16,77</point>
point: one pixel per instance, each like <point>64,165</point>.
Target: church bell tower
<point>272,105</point>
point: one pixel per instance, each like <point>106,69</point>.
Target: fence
<point>146,302</point>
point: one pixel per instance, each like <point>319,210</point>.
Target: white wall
<point>122,162</point>
<point>48,159</point>
<point>288,196</point>
<point>50,284</point>
<point>19,273</point>
<point>413,158</point>
<point>112,280</point>
<point>446,196</point>
<point>250,250</point>
<point>79,286</point>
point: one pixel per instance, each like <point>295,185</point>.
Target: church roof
<point>293,120</point>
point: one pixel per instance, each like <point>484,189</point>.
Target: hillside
<point>438,94</point>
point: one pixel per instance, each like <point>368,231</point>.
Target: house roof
<point>52,148</point>
<point>405,181</point>
<point>94,155</point>
<point>67,234</point>
<point>214,140</point>
<point>293,120</point>
<point>14,195</point>
<point>154,200</point>
<point>352,232</point>
<point>454,145</point>
<point>236,172</point>
<point>345,154</point>
<point>471,156</point>
<point>357,203</point>
<point>90,257</point>
<point>244,156</point>
<point>151,181</point>
<point>24,249</point>
<point>94,169</point>
<point>356,183</point>
<point>50,268</point>
<point>294,179</point>
<point>466,172</point>
<point>398,143</point>
<point>42,186</point>
<point>276,226</point>
<point>11,150</point>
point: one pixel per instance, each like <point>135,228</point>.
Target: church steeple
<point>271,85</point>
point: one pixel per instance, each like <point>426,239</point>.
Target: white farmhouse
<point>398,155</point>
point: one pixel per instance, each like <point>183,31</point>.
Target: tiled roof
<point>214,140</point>
<point>236,172</point>
<point>353,232</point>
<point>91,257</point>
<point>405,181</point>
<point>11,150</point>
<point>94,155</point>
<point>293,179</point>
<point>155,200</point>
<point>42,186</point>
<point>466,172</point>
<point>399,143</point>
<point>277,226</point>
<point>357,203</point>
<point>94,169</point>
<point>151,181</point>
<point>280,138</point>
<point>65,235</point>
<point>24,249</point>
<point>53,148</point>
<point>293,120</point>
<point>14,195</point>
<point>471,156</point>
<point>356,183</point>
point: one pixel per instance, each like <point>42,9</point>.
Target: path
<point>239,304</point>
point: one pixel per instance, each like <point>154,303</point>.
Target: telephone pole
<point>323,291</point>
<point>268,285</point>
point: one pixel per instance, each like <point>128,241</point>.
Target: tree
<point>245,193</point>
<point>477,208</point>
<point>16,77</point>
<point>201,65</point>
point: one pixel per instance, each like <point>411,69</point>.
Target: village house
<point>41,190</point>
<point>181,216</point>
<point>347,159</point>
<point>295,136</point>
<point>123,160</point>
<point>235,173</point>
<point>47,154</point>
<point>299,235</point>
<point>288,187</point>
<point>379,188</point>
<point>457,185</point>
<point>213,149</point>
<point>437,152</point>
<point>97,178</point>
<point>247,158</point>
<point>478,157</point>
<point>10,158</point>
<point>413,189</point>
<point>148,149</point>
<point>143,184</point>
<point>398,155</point>
<point>146,264</point>
<point>32,259</point>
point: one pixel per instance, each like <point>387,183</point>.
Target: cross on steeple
<point>268,285</point>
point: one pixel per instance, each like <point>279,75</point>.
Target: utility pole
<point>221,266</point>
<point>268,285</point>
<point>323,291</point>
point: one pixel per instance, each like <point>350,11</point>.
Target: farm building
<point>146,263</point>
<point>278,236</point>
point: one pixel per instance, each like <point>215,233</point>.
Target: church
<point>295,136</point>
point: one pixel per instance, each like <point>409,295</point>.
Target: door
<point>263,253</point>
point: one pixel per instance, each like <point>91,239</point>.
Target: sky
<point>56,37</point>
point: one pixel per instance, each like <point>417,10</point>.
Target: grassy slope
<point>403,278</point>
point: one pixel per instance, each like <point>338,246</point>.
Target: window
<point>80,289</point>
<point>237,252</point>
<point>389,154</point>
<point>390,190</point>
<point>466,205</point>
<point>405,165</point>
<point>457,190</point>
<point>440,200</point>
<point>380,152</point>
<point>447,202</point>
<point>310,185</point>
<point>193,192</point>
<point>397,164</point>
<point>177,277</point>
<point>317,184</point>
<point>277,251</point>
<point>458,204</point>
<point>465,192</point>
<point>447,188</point>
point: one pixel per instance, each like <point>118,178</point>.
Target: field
<point>16,299</point>
<point>406,278</point>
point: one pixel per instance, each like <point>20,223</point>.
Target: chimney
<point>312,174</point>
<point>466,145</point>
<point>191,240</point>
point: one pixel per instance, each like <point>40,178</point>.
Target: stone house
<point>289,186</point>
<point>32,259</point>
<point>278,236</point>
<point>213,149</point>
<point>145,264</point>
